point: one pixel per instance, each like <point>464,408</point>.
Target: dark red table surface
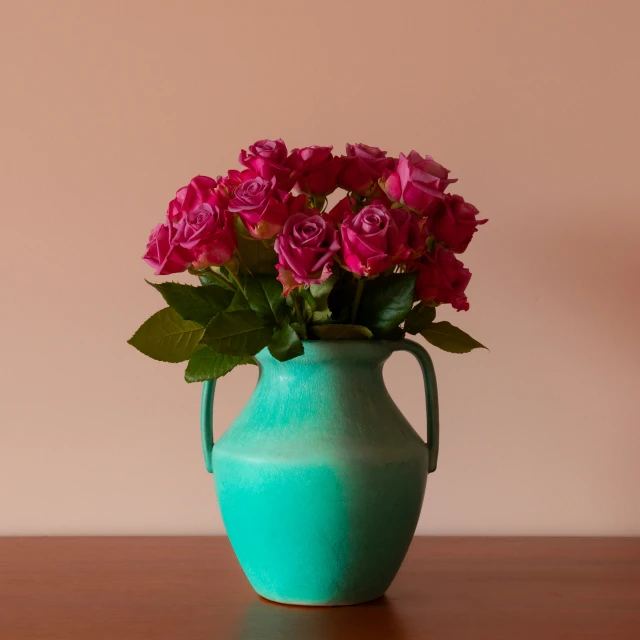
<point>192,588</point>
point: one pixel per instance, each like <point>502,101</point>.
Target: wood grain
<point>193,589</point>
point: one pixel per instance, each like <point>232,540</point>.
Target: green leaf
<point>320,293</point>
<point>258,257</point>
<point>300,329</point>
<point>449,338</point>
<point>386,301</point>
<point>238,333</point>
<point>340,332</point>
<point>265,297</point>
<point>206,364</point>
<point>239,302</point>
<point>420,318</point>
<point>341,298</point>
<point>395,334</point>
<point>199,304</point>
<point>285,344</point>
<point>167,337</point>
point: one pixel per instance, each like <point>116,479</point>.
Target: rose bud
<point>454,223</point>
<point>316,170</point>
<point>442,279</point>
<point>363,168</point>
<point>416,182</point>
<point>267,158</point>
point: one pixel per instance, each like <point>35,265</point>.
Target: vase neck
<point>320,355</point>
<point>326,365</point>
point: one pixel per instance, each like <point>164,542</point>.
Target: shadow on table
<point>376,620</point>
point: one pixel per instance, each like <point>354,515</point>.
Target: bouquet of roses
<point>277,266</point>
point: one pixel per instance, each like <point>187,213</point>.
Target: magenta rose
<point>411,237</point>
<point>454,223</point>
<point>442,279</point>
<point>316,170</point>
<point>363,168</point>
<point>374,239</point>
<point>267,158</point>
<point>162,255</point>
<point>417,182</point>
<point>234,178</point>
<point>297,204</point>
<point>306,246</point>
<point>261,207</point>
<point>201,190</point>
<point>208,233</point>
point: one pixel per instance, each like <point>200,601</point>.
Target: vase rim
<point>336,350</point>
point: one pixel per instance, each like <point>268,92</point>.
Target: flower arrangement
<point>277,266</point>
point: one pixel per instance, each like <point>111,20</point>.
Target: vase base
<point>346,602</point>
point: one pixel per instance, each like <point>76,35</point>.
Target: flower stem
<point>294,299</point>
<point>356,300</point>
<point>235,279</point>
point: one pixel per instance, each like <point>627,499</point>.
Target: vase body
<point>321,479</point>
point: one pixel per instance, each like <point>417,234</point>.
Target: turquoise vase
<point>320,479</point>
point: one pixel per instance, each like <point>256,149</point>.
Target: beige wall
<point>108,107</point>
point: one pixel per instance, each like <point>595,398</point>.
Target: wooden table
<point>193,589</point>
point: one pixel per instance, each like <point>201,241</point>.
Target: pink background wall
<point>108,107</point>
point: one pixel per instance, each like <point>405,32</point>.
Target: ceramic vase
<point>321,479</point>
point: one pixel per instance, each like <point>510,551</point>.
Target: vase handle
<point>431,396</point>
<point>206,422</point>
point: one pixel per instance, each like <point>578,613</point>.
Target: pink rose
<point>163,256</point>
<point>306,246</point>
<point>261,207</point>
<point>199,191</point>
<point>363,168</point>
<point>316,170</point>
<point>208,233</point>
<point>417,182</point>
<point>372,240</point>
<point>442,279</point>
<point>267,158</point>
<point>454,223</point>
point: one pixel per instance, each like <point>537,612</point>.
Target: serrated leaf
<point>206,364</point>
<point>238,333</point>
<point>239,302</point>
<point>449,338</point>
<point>256,257</point>
<point>386,301</point>
<point>340,332</point>
<point>420,318</point>
<point>199,304</point>
<point>265,297</point>
<point>166,336</point>
<point>285,344</point>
